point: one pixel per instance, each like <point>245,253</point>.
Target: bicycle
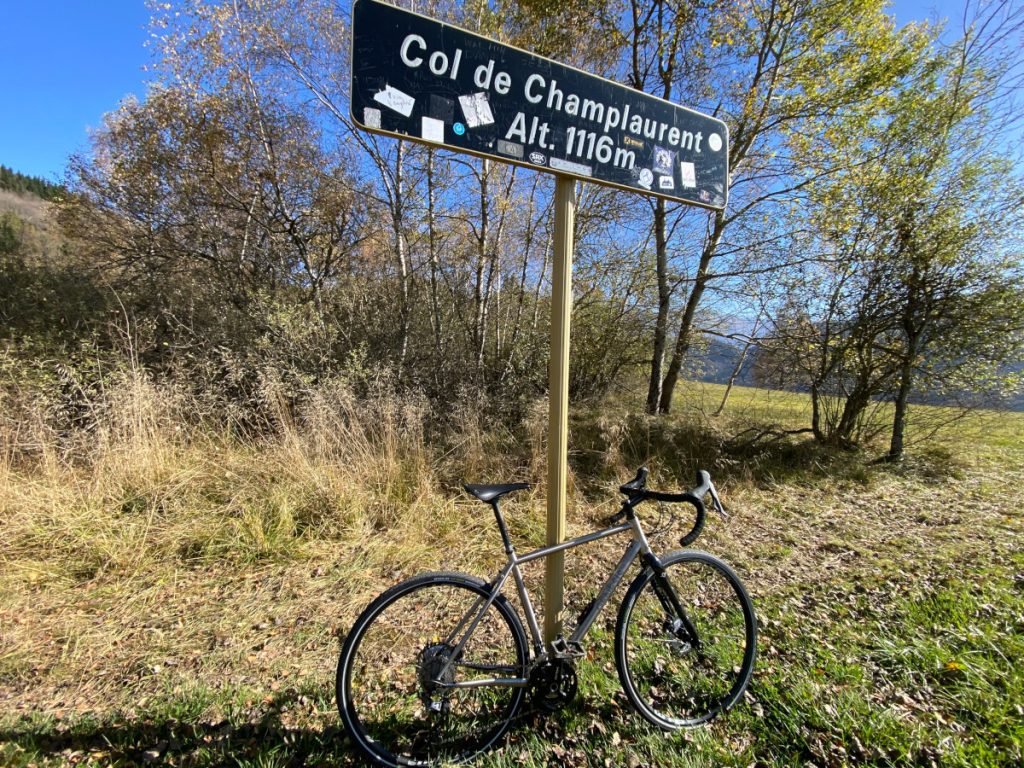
<point>436,668</point>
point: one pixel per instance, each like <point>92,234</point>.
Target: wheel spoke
<point>396,699</point>
<point>683,670</point>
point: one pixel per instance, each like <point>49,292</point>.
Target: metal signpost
<point>419,79</point>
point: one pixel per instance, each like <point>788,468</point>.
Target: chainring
<point>553,684</point>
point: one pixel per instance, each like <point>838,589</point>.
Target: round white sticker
<point>715,142</point>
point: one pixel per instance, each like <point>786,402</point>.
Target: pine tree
<point>21,183</point>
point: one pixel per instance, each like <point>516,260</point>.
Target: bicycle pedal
<point>566,648</point>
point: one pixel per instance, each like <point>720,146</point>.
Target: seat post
<point>509,549</point>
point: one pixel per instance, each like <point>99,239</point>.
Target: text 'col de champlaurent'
<point>420,79</point>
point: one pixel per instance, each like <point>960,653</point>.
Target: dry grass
<point>143,554</point>
<point>149,557</point>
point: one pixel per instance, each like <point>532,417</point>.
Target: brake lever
<point>717,501</point>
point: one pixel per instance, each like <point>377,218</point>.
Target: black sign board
<point>419,79</point>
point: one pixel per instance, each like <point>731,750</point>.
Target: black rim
<point>673,678</point>
<point>399,645</point>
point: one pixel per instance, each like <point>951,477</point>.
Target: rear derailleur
<point>433,668</point>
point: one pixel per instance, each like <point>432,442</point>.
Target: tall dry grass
<point>150,546</point>
<point>149,543</point>
<point>142,477</point>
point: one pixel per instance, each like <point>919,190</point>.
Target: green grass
<point>188,611</point>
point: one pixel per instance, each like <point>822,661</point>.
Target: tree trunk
<point>398,222</point>
<point>538,287</point>
<point>914,323</point>
<point>732,378</point>
<point>686,325</point>
<point>682,346</point>
<point>816,414</point>
<point>524,271</point>
<point>481,283</point>
<point>664,298</point>
<point>435,306</point>
<point>853,409</point>
<point>899,420</point>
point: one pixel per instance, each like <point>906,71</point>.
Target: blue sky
<point>64,63</point>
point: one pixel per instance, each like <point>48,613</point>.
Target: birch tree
<point>767,68</point>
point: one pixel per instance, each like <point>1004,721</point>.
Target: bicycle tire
<point>386,660</point>
<point>672,682</point>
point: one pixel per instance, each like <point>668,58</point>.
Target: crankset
<point>553,684</point>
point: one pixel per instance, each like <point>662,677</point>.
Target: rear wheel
<point>401,654</point>
<point>682,670</point>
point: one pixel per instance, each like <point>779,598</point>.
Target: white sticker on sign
<point>566,165</point>
<point>666,182</point>
<point>510,148</point>
<point>433,130</point>
<point>689,175</point>
<point>477,109</point>
<point>371,117</point>
<point>391,97</point>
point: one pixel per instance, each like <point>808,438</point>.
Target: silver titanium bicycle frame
<point>475,614</point>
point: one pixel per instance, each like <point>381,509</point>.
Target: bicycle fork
<point>665,592</point>
<point>669,600</point>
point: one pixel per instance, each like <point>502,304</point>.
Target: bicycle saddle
<point>489,493</point>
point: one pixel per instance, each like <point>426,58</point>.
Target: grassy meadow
<point>172,594</point>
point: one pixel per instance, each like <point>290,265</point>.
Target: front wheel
<point>682,668</point>
<point>404,653</point>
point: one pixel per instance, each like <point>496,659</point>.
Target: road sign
<point>419,79</point>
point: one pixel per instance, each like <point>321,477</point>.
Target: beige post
<point>558,400</point>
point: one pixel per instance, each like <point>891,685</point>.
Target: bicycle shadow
<point>147,741</point>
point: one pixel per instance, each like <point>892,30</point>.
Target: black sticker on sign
<point>442,108</point>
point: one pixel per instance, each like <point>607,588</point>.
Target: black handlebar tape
<point>698,493</point>
<point>698,524</point>
<point>696,497</point>
<point>637,483</point>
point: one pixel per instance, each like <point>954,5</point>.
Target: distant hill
<point>715,364</point>
<point>26,221</point>
<point>20,183</point>
<point>24,205</point>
